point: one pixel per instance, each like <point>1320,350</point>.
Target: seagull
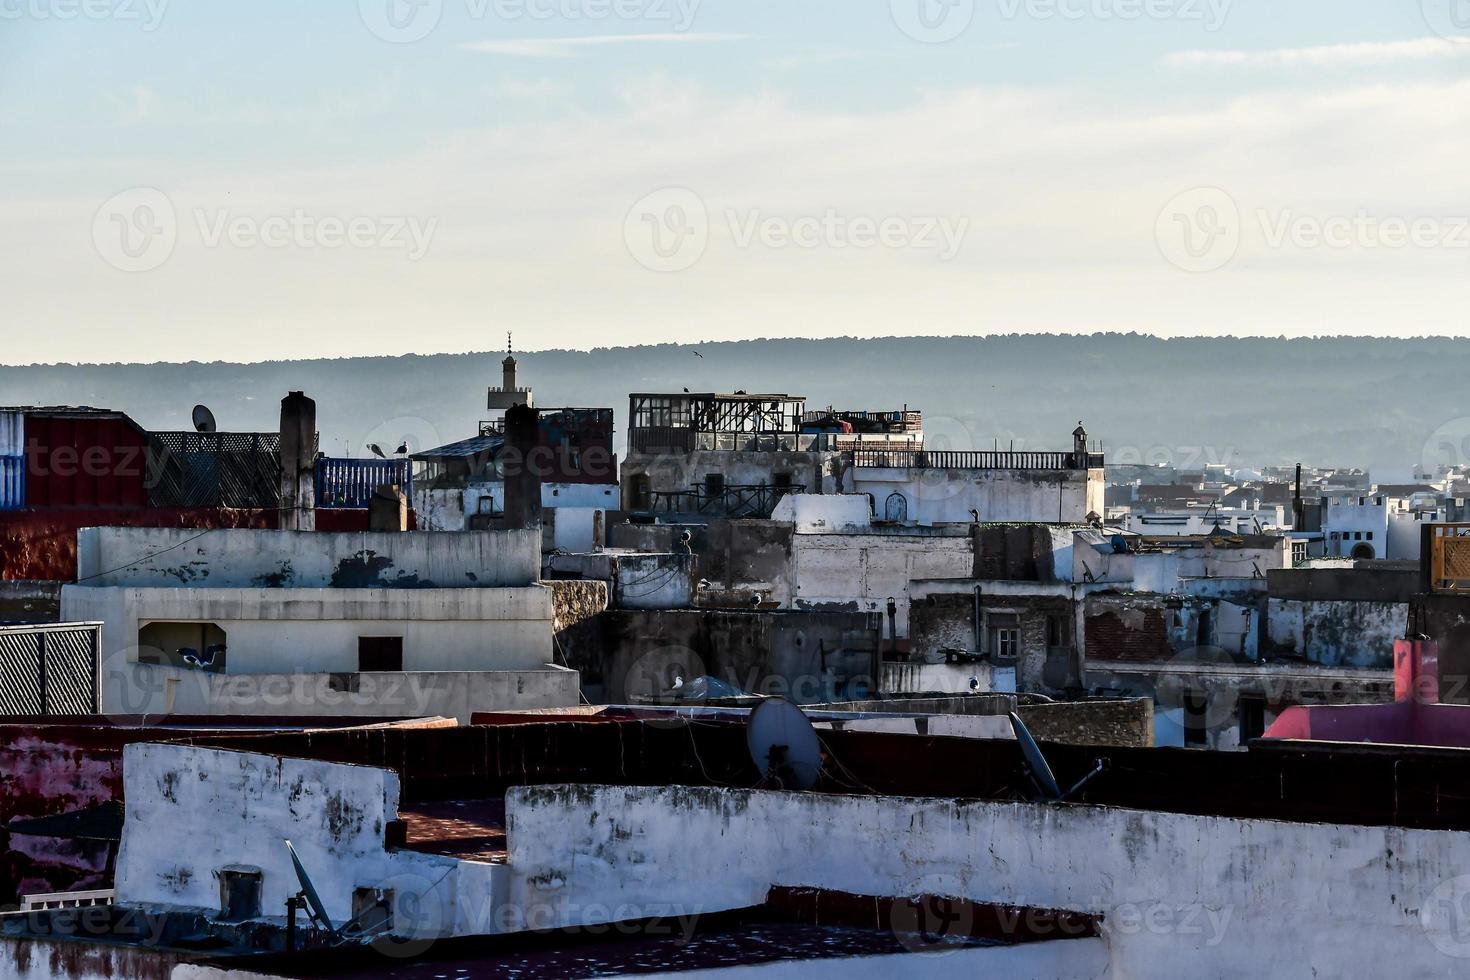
<point>698,355</point>
<point>402,449</point>
<point>678,682</point>
<point>376,450</point>
<point>686,391</point>
<point>974,683</point>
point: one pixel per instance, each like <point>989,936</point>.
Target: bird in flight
<point>698,355</point>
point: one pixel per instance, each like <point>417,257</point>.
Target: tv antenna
<point>784,745</point>
<point>204,420</point>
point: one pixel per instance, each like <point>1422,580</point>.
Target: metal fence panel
<point>214,469</point>
<point>20,674</point>
<point>71,672</point>
<point>49,670</point>
<point>349,483</point>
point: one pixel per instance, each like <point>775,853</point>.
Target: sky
<point>267,180</point>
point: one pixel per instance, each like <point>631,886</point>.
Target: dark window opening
<point>1252,718</point>
<point>714,485</point>
<point>1196,707</point>
<point>378,654</point>
<point>239,893</point>
<point>372,909</point>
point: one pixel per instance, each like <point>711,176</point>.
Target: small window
<point>1370,535</point>
<point>1362,501</point>
<point>782,481</point>
<point>714,485</point>
<point>1056,631</point>
<point>379,654</point>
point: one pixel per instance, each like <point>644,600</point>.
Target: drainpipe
<point>979,625</point>
<point>892,628</point>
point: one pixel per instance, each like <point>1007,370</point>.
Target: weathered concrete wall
<point>1445,619</point>
<point>863,571</point>
<point>238,559</point>
<point>1354,633</point>
<point>1128,722</point>
<point>1023,552</point>
<point>237,808</point>
<point>283,631</point>
<point>1222,895</point>
<point>145,689</point>
<point>68,959</point>
<point>813,513</point>
<point>1390,585</point>
<point>637,580</point>
<point>807,656</point>
<point>934,496</point>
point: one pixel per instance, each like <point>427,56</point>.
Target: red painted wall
<point>79,461</point>
<point>41,545</point>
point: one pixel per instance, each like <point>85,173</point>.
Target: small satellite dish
<point>204,420</point>
<point>1036,766</point>
<point>1041,774</point>
<point>783,744</point>
<point>308,891</point>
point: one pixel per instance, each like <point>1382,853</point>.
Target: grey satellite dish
<point>1040,772</point>
<point>314,905</point>
<point>783,744</point>
<point>1036,766</point>
<point>204,420</point>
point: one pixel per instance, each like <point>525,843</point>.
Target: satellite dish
<point>308,891</point>
<point>204,420</point>
<point>783,744</point>
<point>1040,773</point>
<point>1035,762</point>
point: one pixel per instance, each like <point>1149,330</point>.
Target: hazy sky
<point>248,181</point>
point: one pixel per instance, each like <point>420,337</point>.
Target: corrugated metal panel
<point>74,461</point>
<point>12,482</point>
<point>12,434</point>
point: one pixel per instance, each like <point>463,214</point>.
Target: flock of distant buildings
<point>412,666</point>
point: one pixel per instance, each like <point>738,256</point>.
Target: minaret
<point>509,394</point>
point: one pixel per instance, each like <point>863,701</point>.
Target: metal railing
<point>950,460</point>
<point>349,484</point>
<point>739,501</point>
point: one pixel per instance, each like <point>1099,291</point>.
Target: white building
<point>303,623</point>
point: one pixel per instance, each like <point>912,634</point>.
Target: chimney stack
<point>522,478</point>
<point>298,463</point>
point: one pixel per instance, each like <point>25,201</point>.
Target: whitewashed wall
<point>285,631</point>
<point>146,689</point>
<point>1215,897</point>
<point>948,496</point>
<point>235,558</point>
<point>192,811</point>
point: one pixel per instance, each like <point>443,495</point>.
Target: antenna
<point>204,420</point>
<point>1040,773</point>
<point>783,744</point>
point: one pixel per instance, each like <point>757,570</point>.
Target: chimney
<point>298,463</point>
<point>522,478</point>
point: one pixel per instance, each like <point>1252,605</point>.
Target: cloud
<point>1324,56</point>
<point>566,47</point>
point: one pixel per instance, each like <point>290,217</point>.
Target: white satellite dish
<point>204,420</point>
<point>783,744</point>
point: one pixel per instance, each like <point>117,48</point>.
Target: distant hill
<point>1335,401</point>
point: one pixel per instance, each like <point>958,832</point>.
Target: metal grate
<point>214,469</point>
<point>49,670</point>
<point>20,674</point>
